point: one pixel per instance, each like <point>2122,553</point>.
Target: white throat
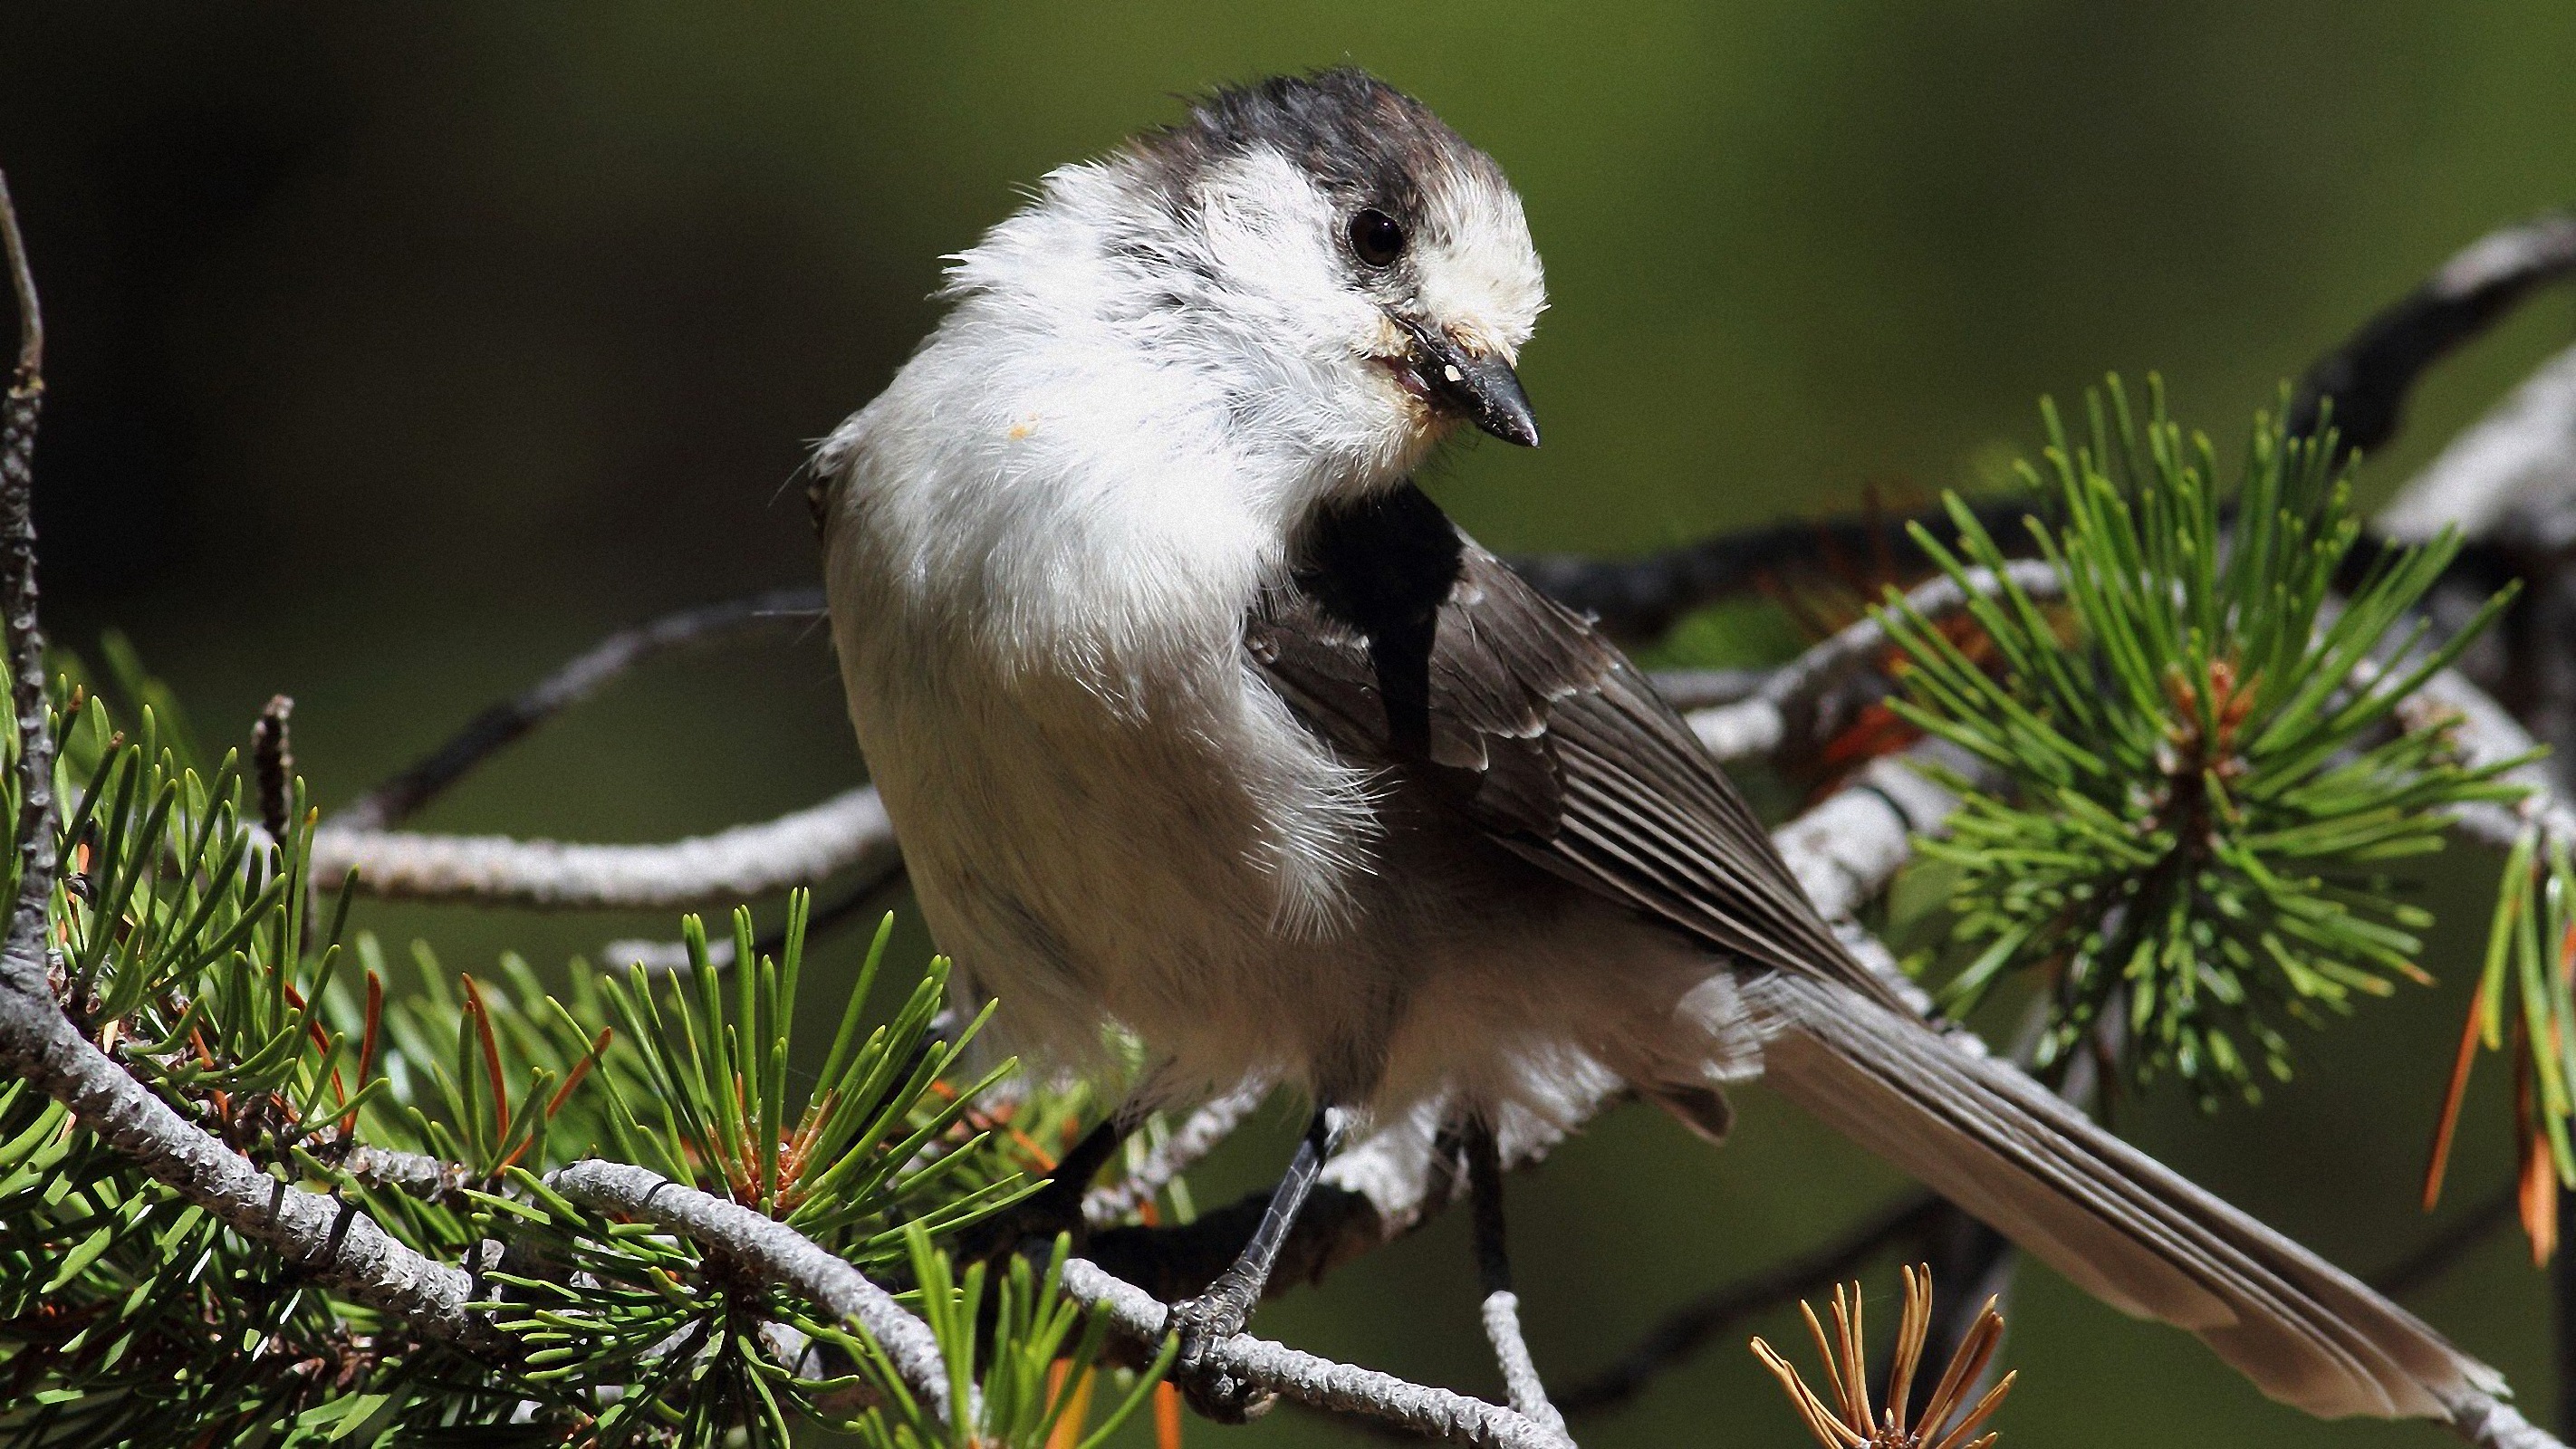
<point>1098,454</point>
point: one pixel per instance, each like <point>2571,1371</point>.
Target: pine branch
<point>1307,1379</point>
<point>776,1253</point>
<point>331,1240</point>
<point>24,963</point>
<point>847,833</point>
<point>1790,709</point>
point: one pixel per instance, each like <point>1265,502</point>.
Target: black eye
<point>1376,237</point>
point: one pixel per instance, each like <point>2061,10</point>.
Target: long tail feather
<point>2115,1221</point>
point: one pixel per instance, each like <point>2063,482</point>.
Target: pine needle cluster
<point>2206,799</point>
<point>198,953</point>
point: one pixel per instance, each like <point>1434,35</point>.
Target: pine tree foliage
<point>2207,795</point>
<point>198,953</point>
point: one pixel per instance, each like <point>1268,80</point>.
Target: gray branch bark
<point>2510,477</point>
<point>1196,1137</point>
<point>847,833</point>
<point>1792,706</point>
<point>780,1255</point>
<point>1342,1388</point>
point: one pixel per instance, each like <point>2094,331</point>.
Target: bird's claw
<point>1202,1323</point>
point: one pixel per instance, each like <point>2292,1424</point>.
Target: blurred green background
<point>398,352</point>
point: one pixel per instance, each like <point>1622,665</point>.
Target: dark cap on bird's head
<point>1419,220</point>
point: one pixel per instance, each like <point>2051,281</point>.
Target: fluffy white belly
<point>1229,895</point>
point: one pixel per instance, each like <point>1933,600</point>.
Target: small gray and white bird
<point>1199,722</point>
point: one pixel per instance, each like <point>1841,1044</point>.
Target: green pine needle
<point>2206,790</point>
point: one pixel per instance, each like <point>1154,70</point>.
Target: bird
<point>1204,728</point>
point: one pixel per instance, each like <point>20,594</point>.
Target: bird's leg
<point>1220,1311</point>
<point>1502,1307</point>
<point>1056,1207</point>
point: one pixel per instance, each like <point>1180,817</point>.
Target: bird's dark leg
<point>1220,1312</point>
<point>1485,1198</point>
<point>1501,1311</point>
<point>1056,1207</point>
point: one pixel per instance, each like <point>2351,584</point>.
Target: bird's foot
<point>1204,1323</point>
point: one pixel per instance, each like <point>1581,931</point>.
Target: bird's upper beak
<point>1481,387</point>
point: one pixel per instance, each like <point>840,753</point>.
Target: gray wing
<point>1413,650</point>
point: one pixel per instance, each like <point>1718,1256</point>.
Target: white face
<point>1366,324</point>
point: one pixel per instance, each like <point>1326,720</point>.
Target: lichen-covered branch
<point>775,1251</point>
<point>848,833</point>
<point>1319,1382</point>
<point>1792,706</point>
<point>2509,478</point>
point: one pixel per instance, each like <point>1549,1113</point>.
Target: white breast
<point>1105,819</point>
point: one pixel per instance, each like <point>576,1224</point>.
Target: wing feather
<point>1411,647</point>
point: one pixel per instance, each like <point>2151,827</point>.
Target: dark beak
<point>1484,390</point>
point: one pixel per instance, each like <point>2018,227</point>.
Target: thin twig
<point>850,904</point>
<point>1501,1310</point>
<point>848,833</point>
<point>781,1255</point>
<point>1637,599</point>
<point>1304,1378</point>
<point>512,719</point>
<point>2442,1252</point>
<point>2491,1423</point>
<point>1685,1330</point>
<point>22,286</point>
<point>1789,707</point>
<point>2367,376</point>
<point>1195,1138</point>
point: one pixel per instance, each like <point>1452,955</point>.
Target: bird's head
<point>1347,274</point>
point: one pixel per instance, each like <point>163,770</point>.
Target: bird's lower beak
<point>1481,388</point>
